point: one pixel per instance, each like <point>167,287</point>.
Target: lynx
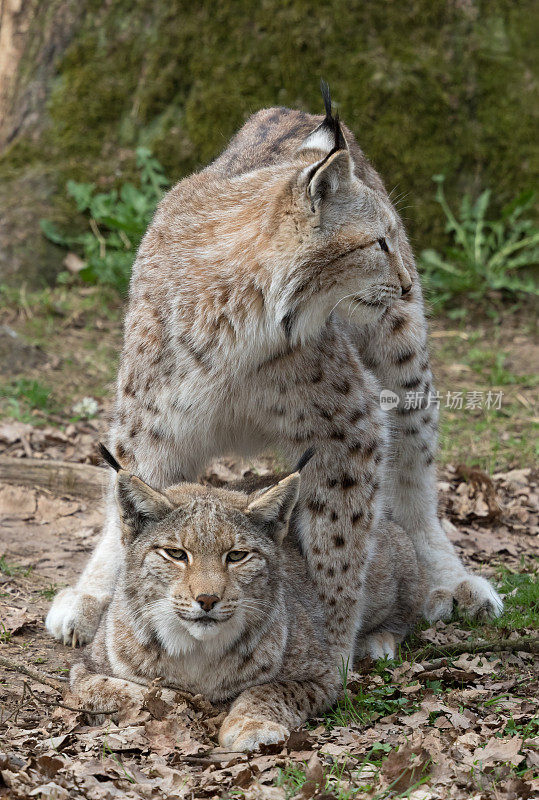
<point>214,597</point>
<point>272,298</point>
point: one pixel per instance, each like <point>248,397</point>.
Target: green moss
<point>427,87</point>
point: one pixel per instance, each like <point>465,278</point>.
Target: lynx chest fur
<point>272,297</point>
<point>232,342</point>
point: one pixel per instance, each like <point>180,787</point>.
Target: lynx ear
<point>273,508</point>
<point>330,177</point>
<point>139,504</point>
<point>328,136</point>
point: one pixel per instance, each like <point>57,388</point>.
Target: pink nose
<point>207,601</point>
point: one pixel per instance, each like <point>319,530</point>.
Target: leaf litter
<point>461,726</point>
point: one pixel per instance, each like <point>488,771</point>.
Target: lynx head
<point>342,237</point>
<point>201,563</point>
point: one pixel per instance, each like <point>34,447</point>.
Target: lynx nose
<point>207,601</point>
<point>405,289</point>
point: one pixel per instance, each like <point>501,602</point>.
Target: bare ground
<point>429,725</point>
<point>447,727</point>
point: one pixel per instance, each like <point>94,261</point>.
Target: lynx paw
<point>246,734</point>
<point>73,617</point>
<point>473,597</point>
<point>377,645</point>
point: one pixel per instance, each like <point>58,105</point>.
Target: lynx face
<point>201,563</point>
<point>350,241</point>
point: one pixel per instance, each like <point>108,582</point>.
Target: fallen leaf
<point>504,750</point>
<point>299,740</point>
<point>404,767</point>
<point>15,619</point>
<point>315,779</point>
<point>50,509</point>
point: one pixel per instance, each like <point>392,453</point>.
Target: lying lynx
<point>272,297</point>
<point>212,598</point>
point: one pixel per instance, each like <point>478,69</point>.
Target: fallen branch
<point>63,705</point>
<point>46,681</point>
<point>31,673</point>
<point>524,644</point>
<point>60,477</point>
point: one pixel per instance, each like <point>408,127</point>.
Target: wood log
<point>82,481</point>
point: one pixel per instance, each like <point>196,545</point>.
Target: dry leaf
<point>15,619</point>
<point>504,750</point>
<point>315,781</point>
<point>404,767</point>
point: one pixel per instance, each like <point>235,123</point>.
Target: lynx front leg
<point>323,398</point>
<point>75,612</point>
<point>267,713</point>
<point>396,351</point>
<point>114,696</point>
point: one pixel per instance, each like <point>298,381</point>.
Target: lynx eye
<point>383,245</point>
<point>236,555</point>
<point>175,555</point>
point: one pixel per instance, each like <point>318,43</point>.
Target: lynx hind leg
<point>396,351</point>
<point>472,597</point>
<point>114,696</point>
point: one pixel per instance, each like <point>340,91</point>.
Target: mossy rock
<point>427,86</point>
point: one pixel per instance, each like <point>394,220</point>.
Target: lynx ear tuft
<point>305,458</point>
<point>107,456</point>
<point>328,136</point>
<point>273,508</point>
<point>139,504</point>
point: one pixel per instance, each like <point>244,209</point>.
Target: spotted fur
<point>212,598</point>
<point>272,297</point>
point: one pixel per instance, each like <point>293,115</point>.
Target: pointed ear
<point>330,177</point>
<point>273,508</point>
<point>139,504</point>
<point>328,136</point>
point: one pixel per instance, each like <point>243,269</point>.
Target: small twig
<point>100,238</point>
<point>525,644</point>
<point>69,708</point>
<point>31,673</point>
<point>37,676</point>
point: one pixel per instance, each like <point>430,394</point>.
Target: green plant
<point>483,254</point>
<point>291,778</point>
<point>5,635</point>
<point>49,592</point>
<point>365,707</point>
<point>24,395</point>
<point>117,219</point>
<point>13,569</point>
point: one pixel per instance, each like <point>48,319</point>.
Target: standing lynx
<point>213,597</point>
<point>272,297</point>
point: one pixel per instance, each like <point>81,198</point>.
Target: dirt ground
<point>455,716</point>
<point>425,726</point>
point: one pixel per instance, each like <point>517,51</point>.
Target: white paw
<point>246,734</point>
<point>377,645</point>
<point>73,617</point>
<point>472,596</point>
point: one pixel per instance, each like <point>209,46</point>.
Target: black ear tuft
<point>109,458</point>
<point>326,94</point>
<point>305,458</point>
<point>331,122</point>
